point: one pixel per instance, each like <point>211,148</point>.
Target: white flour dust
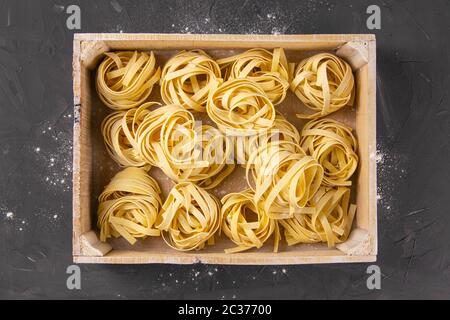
<point>57,163</point>
<point>9,215</point>
<point>391,172</point>
<point>274,19</point>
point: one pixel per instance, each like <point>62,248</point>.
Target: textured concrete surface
<point>413,149</point>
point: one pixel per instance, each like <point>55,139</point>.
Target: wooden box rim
<point>360,49</point>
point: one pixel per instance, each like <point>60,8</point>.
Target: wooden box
<point>92,168</point>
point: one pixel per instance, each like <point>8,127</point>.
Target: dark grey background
<point>413,149</point>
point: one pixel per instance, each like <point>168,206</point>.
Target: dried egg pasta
<point>119,134</point>
<point>125,79</point>
<point>331,221</point>
<point>240,107</point>
<point>334,146</point>
<point>269,70</point>
<point>284,179</point>
<point>129,206</point>
<point>168,138</point>
<point>188,78</point>
<point>324,83</point>
<point>282,130</point>
<point>245,223</point>
<point>189,217</point>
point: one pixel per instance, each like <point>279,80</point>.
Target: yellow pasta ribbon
<point>282,130</point>
<point>188,78</point>
<point>189,217</point>
<point>324,83</point>
<point>125,79</point>
<point>334,146</point>
<point>119,134</point>
<point>129,206</point>
<point>240,107</point>
<point>216,151</point>
<point>269,70</point>
<point>331,221</point>
<point>245,223</point>
<point>285,179</point>
<point>155,126</point>
<point>168,138</point>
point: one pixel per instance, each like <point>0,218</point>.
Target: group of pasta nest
<point>297,182</point>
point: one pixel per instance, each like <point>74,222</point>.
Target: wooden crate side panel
<point>372,145</point>
<point>136,41</point>
<point>362,132</point>
<point>82,151</point>
<point>366,132</point>
<point>76,206</point>
<point>249,258</point>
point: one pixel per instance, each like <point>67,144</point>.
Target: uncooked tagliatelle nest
<point>334,146</point>
<point>188,78</point>
<point>330,222</point>
<point>168,138</point>
<point>189,217</point>
<point>164,126</point>
<point>125,79</point>
<point>284,179</point>
<point>129,206</point>
<point>324,83</point>
<point>119,133</point>
<point>282,130</point>
<point>269,70</point>
<point>240,107</point>
<point>215,150</point>
<point>245,223</point>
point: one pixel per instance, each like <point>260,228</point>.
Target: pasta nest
<point>324,83</point>
<point>162,126</point>
<point>330,222</point>
<point>129,206</point>
<point>216,153</point>
<point>245,223</point>
<point>282,130</point>
<point>284,179</point>
<point>240,107</point>
<point>169,138</point>
<point>268,70</point>
<point>189,217</point>
<point>125,79</point>
<point>334,146</point>
<point>188,78</point>
<point>119,133</point>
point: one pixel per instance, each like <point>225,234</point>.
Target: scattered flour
<point>273,19</point>
<point>391,172</point>
<point>9,215</point>
<point>58,172</point>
